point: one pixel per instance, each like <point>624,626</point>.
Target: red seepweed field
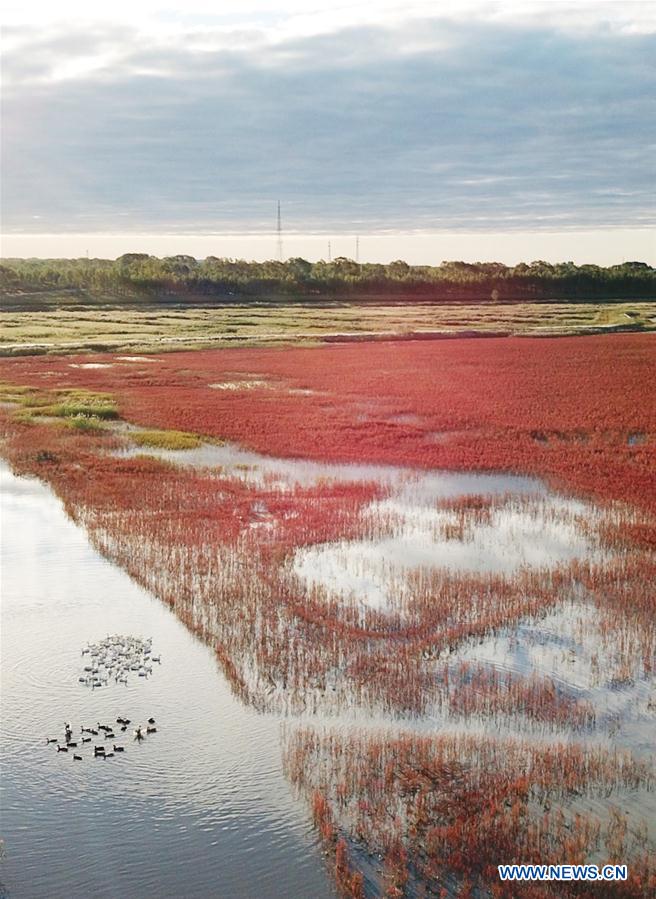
<point>459,632</point>
<point>580,409</point>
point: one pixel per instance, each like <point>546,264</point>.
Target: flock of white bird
<point>115,659</point>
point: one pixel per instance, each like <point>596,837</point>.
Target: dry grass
<point>157,328</point>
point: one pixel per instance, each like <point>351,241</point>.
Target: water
<point>409,483</point>
<point>373,571</point>
<point>541,535</point>
<point>199,809</point>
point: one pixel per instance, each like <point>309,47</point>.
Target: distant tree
<point>132,258</point>
<point>398,269</point>
<point>346,268</point>
<point>138,276</point>
<point>299,268</point>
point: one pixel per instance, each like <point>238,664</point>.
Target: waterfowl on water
<point>115,656</point>
<point>105,730</point>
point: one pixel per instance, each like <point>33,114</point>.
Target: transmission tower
<point>279,233</point>
<point>357,249</point>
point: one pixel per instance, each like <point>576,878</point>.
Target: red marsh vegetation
<point>578,410</point>
<point>538,650</point>
<point>437,813</point>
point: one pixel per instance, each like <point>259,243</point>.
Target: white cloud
<point>386,118</point>
<point>303,17</point>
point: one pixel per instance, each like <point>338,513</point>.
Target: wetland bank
<point>422,573</point>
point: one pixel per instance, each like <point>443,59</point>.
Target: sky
<point>454,130</point>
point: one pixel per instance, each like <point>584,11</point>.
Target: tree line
<point>139,277</point>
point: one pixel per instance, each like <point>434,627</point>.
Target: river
<point>199,809</point>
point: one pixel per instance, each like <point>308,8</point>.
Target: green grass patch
<point>75,404</point>
<point>83,409</point>
<point>169,440</point>
<point>84,423</point>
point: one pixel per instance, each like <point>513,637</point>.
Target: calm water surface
<point>201,809</point>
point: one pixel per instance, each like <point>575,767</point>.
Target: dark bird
<point>119,748</point>
<point>62,748</point>
<point>77,758</point>
<point>151,721</point>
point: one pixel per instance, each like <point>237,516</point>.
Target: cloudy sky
<point>432,130</point>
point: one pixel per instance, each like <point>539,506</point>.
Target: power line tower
<point>279,235</point>
<point>330,255</point>
<point>357,249</point>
